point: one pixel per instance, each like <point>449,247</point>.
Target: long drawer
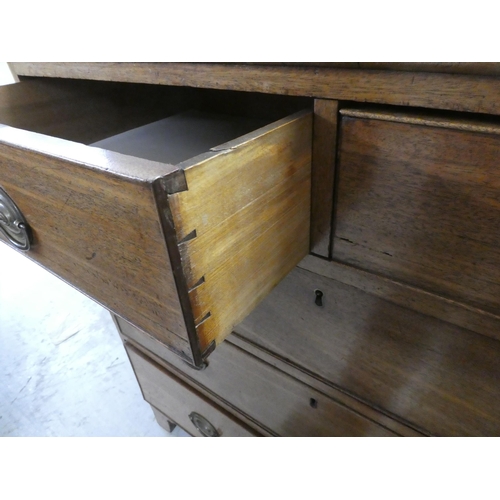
<point>434,375</point>
<point>180,225</point>
<point>262,394</point>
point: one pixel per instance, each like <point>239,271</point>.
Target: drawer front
<point>180,403</point>
<point>418,201</point>
<point>434,375</point>
<point>95,225</point>
<point>183,252</point>
<point>265,394</point>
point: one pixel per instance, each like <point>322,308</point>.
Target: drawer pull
<point>203,425</point>
<point>12,223</point>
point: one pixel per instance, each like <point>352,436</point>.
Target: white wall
<point>6,75</point>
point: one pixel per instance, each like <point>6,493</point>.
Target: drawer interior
<point>90,111</point>
<point>180,137</point>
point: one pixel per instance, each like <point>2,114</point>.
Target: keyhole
<point>313,403</point>
<point>319,298</point>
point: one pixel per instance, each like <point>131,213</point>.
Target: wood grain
<point>95,225</point>
<point>464,68</point>
<point>430,373</point>
<point>233,398</point>
<point>249,205</point>
<point>177,400</point>
<point>323,174</point>
<point>274,400</point>
<point>407,296</point>
<point>457,92</point>
<point>454,121</point>
<point>419,204</point>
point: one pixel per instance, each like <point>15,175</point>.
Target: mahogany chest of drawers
<point>293,250</point>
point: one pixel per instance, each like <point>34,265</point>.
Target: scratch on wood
<point>66,202</point>
<point>364,246</point>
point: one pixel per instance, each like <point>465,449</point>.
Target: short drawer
<point>179,221</point>
<point>418,201</point>
<point>180,403</point>
<point>267,396</point>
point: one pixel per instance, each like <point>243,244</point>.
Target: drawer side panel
<point>243,223</point>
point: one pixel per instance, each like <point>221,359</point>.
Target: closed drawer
<point>180,403</point>
<point>436,376</point>
<point>418,201</point>
<point>159,222</point>
<point>267,396</point>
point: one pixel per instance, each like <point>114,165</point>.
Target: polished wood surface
<point>232,397</point>
<point>459,92</point>
<point>452,121</point>
<point>419,204</point>
<point>414,298</point>
<point>177,400</point>
<point>243,222</point>
<point>95,224</point>
<point>270,397</point>
<point>436,376</point>
<point>323,174</point>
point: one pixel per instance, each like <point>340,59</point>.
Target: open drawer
<point>182,235</point>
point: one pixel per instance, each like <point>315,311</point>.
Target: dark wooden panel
<point>464,68</point>
<point>95,224</point>
<point>419,204</point>
<point>439,377</point>
<point>432,90</point>
<point>414,298</point>
<point>86,111</point>
<point>323,174</point>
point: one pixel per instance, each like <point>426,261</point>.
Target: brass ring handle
<point>13,224</point>
<point>203,425</point>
